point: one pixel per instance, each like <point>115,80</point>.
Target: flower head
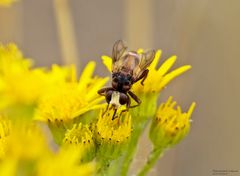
<point>112,134</point>
<point>170,125</point>
<point>15,77</point>
<point>20,84</point>
<point>70,98</point>
<point>81,137</point>
<point>24,146</point>
<point>26,142</point>
<point>27,153</point>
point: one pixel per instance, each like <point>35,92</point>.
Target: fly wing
<point>118,51</point>
<point>145,60</point>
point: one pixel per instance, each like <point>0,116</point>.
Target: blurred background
<point>202,33</point>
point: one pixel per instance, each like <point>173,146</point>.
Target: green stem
<point>141,115</point>
<point>114,168</point>
<point>103,167</point>
<point>154,156</point>
<point>132,147</point>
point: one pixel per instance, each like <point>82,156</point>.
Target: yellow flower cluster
<point>22,84</point>
<point>162,135</point>
<point>78,97</point>
<point>89,136</point>
<point>27,153</point>
<point>54,96</point>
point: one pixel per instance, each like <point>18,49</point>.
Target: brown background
<point>205,34</point>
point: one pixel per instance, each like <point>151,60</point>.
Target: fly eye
<point>114,75</point>
<point>114,84</point>
<point>127,83</point>
<point>115,79</point>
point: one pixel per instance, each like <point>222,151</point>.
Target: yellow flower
<point>71,99</point>
<point>6,3</point>
<point>26,142</point>
<point>112,135</point>
<point>66,162</point>
<point>14,72</point>
<point>82,137</point>
<point>27,153</point>
<point>20,84</point>
<point>114,131</point>
<point>24,146</point>
<point>12,60</point>
<point>170,125</point>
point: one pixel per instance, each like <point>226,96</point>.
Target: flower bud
<point>170,124</point>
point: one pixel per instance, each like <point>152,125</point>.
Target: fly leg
<point>128,102</point>
<point>114,114</point>
<point>103,91</point>
<point>143,76</point>
<point>135,99</point>
<point>105,110</point>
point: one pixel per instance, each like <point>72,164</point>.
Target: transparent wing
<point>118,51</point>
<point>145,60</point>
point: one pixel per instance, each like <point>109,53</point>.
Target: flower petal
<point>107,61</point>
<point>170,76</point>
<point>87,72</point>
<point>191,109</point>
<point>166,65</point>
<point>156,59</point>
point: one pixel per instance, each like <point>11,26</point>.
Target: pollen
<point>79,134</point>
<point>114,131</point>
<point>81,137</point>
